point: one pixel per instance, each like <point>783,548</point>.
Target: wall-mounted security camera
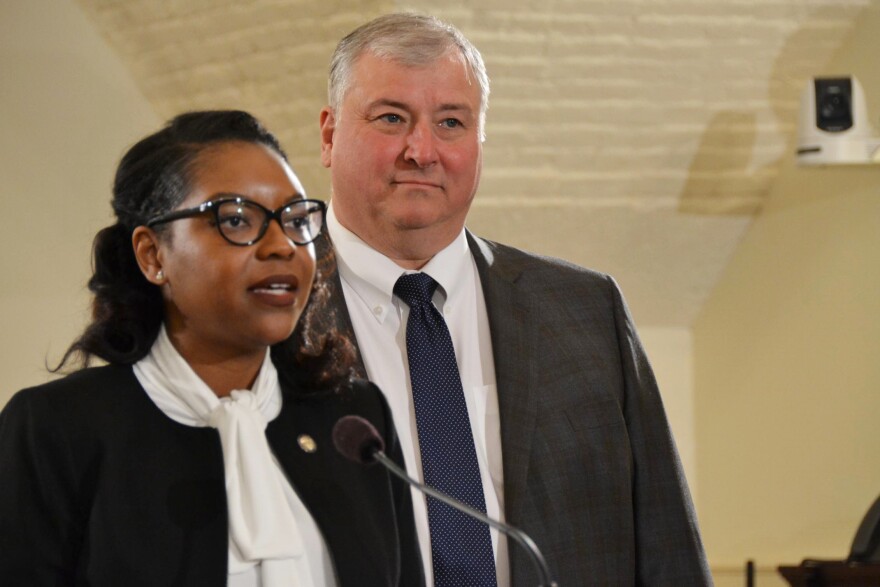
<point>834,127</point>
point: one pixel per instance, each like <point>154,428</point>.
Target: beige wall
<point>787,362</point>
<point>68,111</point>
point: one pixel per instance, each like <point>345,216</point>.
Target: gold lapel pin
<point>307,443</point>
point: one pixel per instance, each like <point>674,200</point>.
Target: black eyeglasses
<point>243,222</point>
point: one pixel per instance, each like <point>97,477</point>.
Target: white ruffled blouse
<point>273,539</point>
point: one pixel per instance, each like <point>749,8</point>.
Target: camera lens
<point>833,104</point>
<point>833,107</point>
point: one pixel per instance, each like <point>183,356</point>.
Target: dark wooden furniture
<point>815,573</point>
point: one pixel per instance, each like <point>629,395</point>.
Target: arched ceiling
<point>637,137</point>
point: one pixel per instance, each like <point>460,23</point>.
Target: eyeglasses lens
<point>301,221</point>
<point>240,222</point>
<point>244,222</point>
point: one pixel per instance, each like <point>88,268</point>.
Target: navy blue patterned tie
<point>461,548</point>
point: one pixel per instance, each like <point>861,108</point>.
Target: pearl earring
<point>160,275</point>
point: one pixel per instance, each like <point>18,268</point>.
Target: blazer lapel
<point>509,317</point>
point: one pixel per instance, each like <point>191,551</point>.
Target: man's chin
<point>414,222</point>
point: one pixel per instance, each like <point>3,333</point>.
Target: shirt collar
<point>371,275</point>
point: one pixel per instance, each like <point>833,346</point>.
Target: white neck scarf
<point>262,527</point>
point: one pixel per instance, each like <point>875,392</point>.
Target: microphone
<point>358,440</point>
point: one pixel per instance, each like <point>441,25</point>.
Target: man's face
<point>404,154</point>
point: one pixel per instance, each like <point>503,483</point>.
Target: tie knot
<point>415,288</point>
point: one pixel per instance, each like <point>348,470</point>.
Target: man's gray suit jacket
<point>591,472</point>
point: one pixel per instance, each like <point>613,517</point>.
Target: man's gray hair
<point>409,39</point>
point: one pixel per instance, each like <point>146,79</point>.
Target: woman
<point>185,461</point>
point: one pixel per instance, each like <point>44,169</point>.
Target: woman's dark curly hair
<point>153,178</point>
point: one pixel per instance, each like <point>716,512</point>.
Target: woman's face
<point>223,300</point>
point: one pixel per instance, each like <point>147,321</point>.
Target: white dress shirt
<point>379,320</point>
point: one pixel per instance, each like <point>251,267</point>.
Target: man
<point>564,423</point>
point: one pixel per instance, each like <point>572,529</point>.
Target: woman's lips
<point>276,290</point>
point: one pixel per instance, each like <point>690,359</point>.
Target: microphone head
<point>357,440</point>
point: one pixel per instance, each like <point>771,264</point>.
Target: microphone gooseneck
<point>358,440</point>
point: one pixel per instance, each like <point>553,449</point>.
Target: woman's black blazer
<point>98,487</point>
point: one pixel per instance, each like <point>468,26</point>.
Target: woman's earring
<point>160,275</point>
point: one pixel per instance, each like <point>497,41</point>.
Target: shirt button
<point>377,310</point>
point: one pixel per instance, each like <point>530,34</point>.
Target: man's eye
<point>451,123</point>
<point>392,118</point>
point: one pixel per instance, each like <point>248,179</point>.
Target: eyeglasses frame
<point>213,206</point>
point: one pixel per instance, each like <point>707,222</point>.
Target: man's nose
<point>421,147</point>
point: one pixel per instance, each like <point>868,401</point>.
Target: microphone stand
<point>518,535</point>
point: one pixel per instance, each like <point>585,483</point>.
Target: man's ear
<point>328,125</point>
<point>149,258</point>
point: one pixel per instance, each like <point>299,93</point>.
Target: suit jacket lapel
<point>509,317</point>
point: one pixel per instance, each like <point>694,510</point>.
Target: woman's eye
<point>297,222</point>
<point>233,220</point>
